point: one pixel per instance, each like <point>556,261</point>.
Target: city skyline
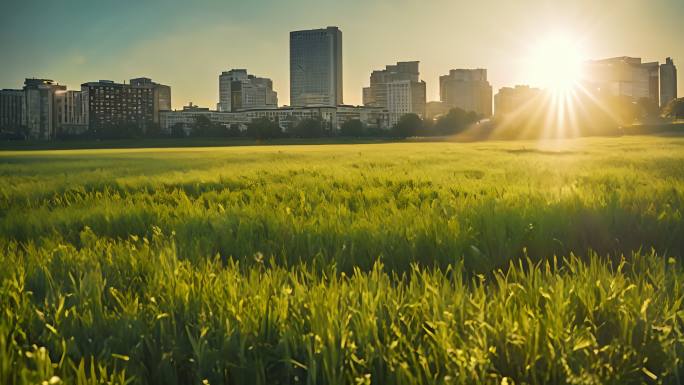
<point>157,45</point>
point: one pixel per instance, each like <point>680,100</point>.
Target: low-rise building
<point>286,117</point>
<point>509,100</point>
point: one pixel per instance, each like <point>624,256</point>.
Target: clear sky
<point>186,44</point>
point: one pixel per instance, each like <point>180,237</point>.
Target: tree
<point>408,125</point>
<point>353,128</point>
<point>455,121</point>
<point>308,128</point>
<point>263,128</point>
<point>178,130</point>
<point>674,109</point>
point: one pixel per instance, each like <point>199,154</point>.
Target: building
<point>376,94</point>
<point>161,95</point>
<point>287,117</point>
<point>467,89</point>
<point>240,91</point>
<point>70,109</point>
<point>316,67</point>
<point>623,76</point>
<point>12,110</point>
<point>109,104</point>
<point>509,100</point>
<point>668,82</point>
<point>398,89</point>
<point>40,113</point>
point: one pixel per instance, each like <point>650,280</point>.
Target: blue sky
<point>186,44</point>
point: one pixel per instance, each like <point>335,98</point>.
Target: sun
<point>555,63</point>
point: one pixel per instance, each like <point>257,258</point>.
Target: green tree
<point>674,109</point>
<point>308,128</point>
<point>263,128</point>
<point>455,121</point>
<point>408,125</point>
<point>353,128</point>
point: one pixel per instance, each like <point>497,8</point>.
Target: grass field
<point>387,263</point>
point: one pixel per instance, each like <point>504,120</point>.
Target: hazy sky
<point>186,44</point>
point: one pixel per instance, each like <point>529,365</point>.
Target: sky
<point>186,44</point>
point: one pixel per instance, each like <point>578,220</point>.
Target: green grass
<point>391,263</point>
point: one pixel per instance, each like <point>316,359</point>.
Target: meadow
<point>555,262</point>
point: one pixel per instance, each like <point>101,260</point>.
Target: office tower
<point>467,89</point>
<point>12,110</point>
<point>240,91</point>
<point>316,67</point>
<point>161,95</point>
<point>623,76</point>
<point>110,104</point>
<point>39,96</point>
<point>509,100</point>
<point>398,89</point>
<point>668,82</point>
<point>376,94</point>
<point>70,112</point>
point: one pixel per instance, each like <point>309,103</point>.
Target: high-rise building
<point>398,89</point>
<point>508,100</point>
<point>316,67</point>
<point>12,110</point>
<point>623,76</point>
<point>467,89</point>
<point>668,82</point>
<point>112,104</point>
<point>241,91</point>
<point>161,94</point>
<point>40,118</point>
<point>376,94</point>
<point>70,112</point>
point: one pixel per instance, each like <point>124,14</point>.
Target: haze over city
<point>188,44</point>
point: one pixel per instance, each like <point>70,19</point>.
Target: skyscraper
<point>467,89</point>
<point>316,67</point>
<point>668,82</point>
<point>241,91</point>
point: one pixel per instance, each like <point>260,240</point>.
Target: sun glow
<point>555,63</point>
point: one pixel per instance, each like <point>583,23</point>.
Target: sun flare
<point>555,63</point>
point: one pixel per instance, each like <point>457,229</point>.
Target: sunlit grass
<point>521,262</point>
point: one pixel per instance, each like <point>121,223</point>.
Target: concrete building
<point>113,104</point>
<point>405,97</point>
<point>70,108</point>
<point>376,94</point>
<point>467,89</point>
<point>239,91</point>
<point>40,115</point>
<point>287,117</point>
<point>316,67</point>
<point>12,110</point>
<point>668,82</point>
<point>398,89</point>
<point>161,95</point>
<point>508,100</point>
<point>623,76</point>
